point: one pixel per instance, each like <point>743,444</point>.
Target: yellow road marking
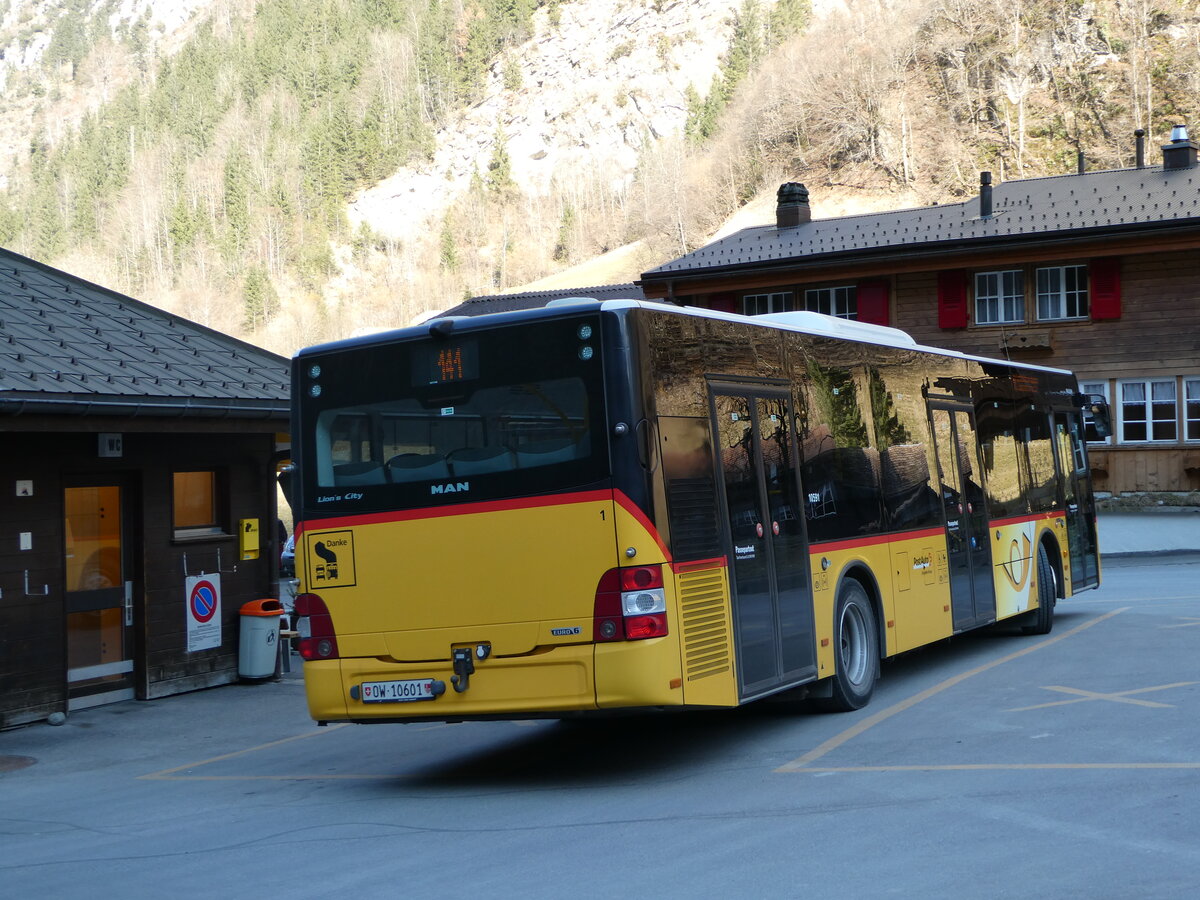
<point>168,773</point>
<point>883,715</point>
<point>1119,697</point>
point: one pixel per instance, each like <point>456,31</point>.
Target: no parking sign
<point>203,612</point>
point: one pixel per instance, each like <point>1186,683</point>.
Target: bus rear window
<point>492,430</point>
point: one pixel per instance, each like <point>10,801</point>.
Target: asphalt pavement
<point>994,764</point>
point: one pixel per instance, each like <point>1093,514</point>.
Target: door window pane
<point>93,537</point>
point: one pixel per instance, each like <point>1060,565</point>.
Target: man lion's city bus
<point>624,505</point>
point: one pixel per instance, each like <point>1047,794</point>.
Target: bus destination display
<point>446,363</point>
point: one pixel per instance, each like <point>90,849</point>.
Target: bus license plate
<point>397,691</point>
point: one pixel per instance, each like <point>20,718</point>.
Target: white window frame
<point>1058,302</point>
<point>1098,387</point>
<point>839,301</point>
<point>1000,297</point>
<point>1191,408</point>
<point>763,304</point>
<point>1148,403</point>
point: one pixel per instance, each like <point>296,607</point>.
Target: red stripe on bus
<point>1036,517</point>
<point>628,505</point>
<point>462,509</point>
<point>699,565</point>
<point>875,540</point>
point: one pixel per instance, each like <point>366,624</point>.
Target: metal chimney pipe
<point>1139,144</point>
<point>985,194</point>
<point>1080,163</point>
<point>1181,152</point>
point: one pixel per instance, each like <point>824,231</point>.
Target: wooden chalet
<point>1098,272</point>
<point>138,461</point>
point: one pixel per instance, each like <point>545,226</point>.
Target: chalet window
<point>760,304</point>
<point>1147,410</point>
<point>1062,293</point>
<point>1191,409</point>
<point>838,301</point>
<point>195,508</point>
<point>1089,430</point>
<point>999,297</point>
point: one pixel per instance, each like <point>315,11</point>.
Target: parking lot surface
<point>990,765</point>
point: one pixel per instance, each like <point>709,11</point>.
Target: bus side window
<point>910,498</point>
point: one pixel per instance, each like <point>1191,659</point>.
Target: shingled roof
<point>494,303</point>
<point>68,346</point>
<point>1062,207</point>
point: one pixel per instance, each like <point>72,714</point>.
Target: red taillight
<point>641,578</point>
<point>630,605</point>
<point>320,641</point>
<point>639,627</point>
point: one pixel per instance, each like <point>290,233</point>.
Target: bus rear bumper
<point>557,680</point>
<point>562,679</point>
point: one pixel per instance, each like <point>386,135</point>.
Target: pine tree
<point>236,200</point>
<point>448,253</point>
<point>259,298</point>
<point>499,178</point>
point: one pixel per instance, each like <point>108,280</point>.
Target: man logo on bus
<point>453,488</point>
<point>328,571</point>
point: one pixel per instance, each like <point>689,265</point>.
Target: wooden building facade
<point>138,458</point>
<point>1097,272</point>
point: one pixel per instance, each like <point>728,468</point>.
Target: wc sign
<point>203,612</point>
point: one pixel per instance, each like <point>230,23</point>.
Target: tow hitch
<point>464,668</point>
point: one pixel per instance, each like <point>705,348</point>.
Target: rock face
<point>594,91</point>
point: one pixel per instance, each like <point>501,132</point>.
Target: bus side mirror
<point>1097,424</point>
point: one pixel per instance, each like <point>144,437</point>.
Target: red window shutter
<point>1104,284</point>
<point>726,302</point>
<point>873,302</point>
<point>952,299</point>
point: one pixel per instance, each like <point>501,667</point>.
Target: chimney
<point>1180,153</point>
<point>1080,163</point>
<point>1139,143</point>
<point>791,205</point>
<point>985,194</point>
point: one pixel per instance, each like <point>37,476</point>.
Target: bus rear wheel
<point>856,640</point>
<point>1041,620</point>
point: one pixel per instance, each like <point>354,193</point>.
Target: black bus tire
<point>856,642</point>
<point>1041,620</point>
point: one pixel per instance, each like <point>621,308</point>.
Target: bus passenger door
<point>1077,501</point>
<point>968,550</point>
<point>765,543</point>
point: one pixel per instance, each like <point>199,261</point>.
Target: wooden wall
<point>32,628</point>
<point>1157,335</point>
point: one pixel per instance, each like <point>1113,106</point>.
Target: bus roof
<point>799,321</point>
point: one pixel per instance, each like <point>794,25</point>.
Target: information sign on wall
<point>203,612</point>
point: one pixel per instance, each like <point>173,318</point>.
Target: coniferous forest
<point>215,180</point>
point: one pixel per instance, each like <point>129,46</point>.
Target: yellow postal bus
<point>627,505</point>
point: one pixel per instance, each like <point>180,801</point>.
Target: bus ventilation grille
<point>705,622</point>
